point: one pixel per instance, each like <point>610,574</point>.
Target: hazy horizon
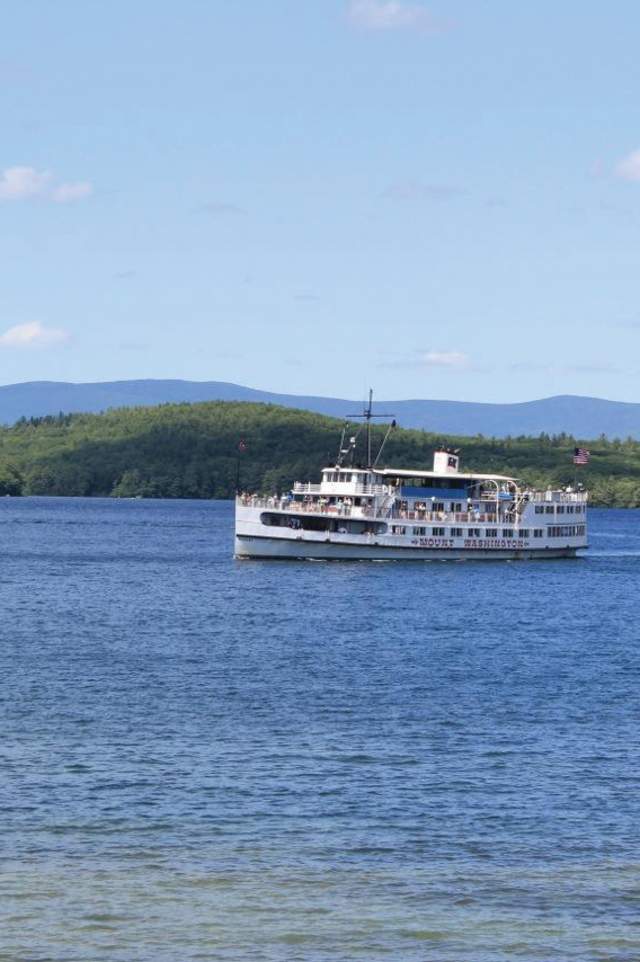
<point>271,390</point>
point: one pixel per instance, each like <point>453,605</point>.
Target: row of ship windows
<point>456,507</point>
<point>560,509</point>
<point>553,531</point>
<point>344,477</point>
<point>435,506</point>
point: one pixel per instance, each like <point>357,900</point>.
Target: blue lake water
<point>203,759</point>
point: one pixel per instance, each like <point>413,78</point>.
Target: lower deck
<point>281,532</point>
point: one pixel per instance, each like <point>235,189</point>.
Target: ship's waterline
<point>304,547</point>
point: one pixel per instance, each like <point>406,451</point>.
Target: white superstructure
<point>391,513</point>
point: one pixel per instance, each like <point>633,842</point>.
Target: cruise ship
<point>359,512</point>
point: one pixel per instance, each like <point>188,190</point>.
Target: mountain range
<point>582,417</point>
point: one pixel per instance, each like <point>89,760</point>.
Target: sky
<point>436,199</point>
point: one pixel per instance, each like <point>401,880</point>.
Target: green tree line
<point>192,451</point>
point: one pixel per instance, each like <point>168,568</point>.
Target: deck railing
<point>558,497</point>
<point>361,511</point>
<point>344,488</point>
<point>303,507</point>
<point>386,511</point>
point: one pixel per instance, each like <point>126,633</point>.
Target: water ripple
<point>209,760</point>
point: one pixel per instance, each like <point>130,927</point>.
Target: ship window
<point>419,531</point>
<point>549,509</point>
<point>560,509</point>
<point>491,533</point>
<point>538,532</point>
<point>570,509</point>
<point>539,509</point>
<point>562,531</point>
<point>438,506</point>
<point>524,533</point>
<point>474,533</point>
<point>580,529</point>
<point>457,507</point>
<point>398,529</point>
<point>456,532</point>
<point>437,532</point>
<point>507,532</point>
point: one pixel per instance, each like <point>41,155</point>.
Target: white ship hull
<point>301,548</point>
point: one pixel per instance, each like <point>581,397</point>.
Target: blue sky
<point>439,199</point>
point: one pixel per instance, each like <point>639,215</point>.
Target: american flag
<point>581,456</point>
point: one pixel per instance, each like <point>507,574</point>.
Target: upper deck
<point>445,482</point>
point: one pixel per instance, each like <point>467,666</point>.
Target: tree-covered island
<point>192,451</point>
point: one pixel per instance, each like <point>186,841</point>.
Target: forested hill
<point>191,451</point>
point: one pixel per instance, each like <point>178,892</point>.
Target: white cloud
<point>417,361</point>
<point>23,183</point>
<point>392,15</point>
<point>19,183</point>
<point>445,359</point>
<point>32,334</point>
<point>629,167</point>
<point>64,193</point>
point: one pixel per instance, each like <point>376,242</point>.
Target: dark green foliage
<point>11,481</point>
<point>191,451</point>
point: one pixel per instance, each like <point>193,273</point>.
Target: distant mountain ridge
<point>583,417</point>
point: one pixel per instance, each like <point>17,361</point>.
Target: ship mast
<point>368,415</point>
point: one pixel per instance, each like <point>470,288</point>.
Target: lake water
<point>203,759</point>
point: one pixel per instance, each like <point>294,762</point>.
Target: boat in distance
<point>360,512</point>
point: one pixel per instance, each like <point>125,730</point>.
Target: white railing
<point>387,508</point>
<point>344,488</point>
<point>302,507</point>
<point>356,511</point>
<point>562,497</point>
